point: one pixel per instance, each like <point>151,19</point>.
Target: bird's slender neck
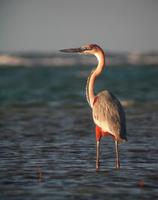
<point>91,79</point>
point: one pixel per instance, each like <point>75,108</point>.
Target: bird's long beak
<point>75,50</point>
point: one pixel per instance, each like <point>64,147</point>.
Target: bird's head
<point>86,49</point>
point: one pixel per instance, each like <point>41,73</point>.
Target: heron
<point>107,111</point>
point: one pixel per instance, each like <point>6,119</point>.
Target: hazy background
<point>49,25</point>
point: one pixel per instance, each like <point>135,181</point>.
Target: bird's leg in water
<point>117,155</point>
<point>97,155</point>
<point>98,132</point>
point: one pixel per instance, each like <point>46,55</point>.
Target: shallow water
<point>47,139</point>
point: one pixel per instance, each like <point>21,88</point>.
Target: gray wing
<point>109,114</point>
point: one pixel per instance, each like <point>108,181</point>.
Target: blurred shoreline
<point>30,59</point>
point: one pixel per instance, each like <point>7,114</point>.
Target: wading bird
<point>108,114</point>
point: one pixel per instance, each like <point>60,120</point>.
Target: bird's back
<point>109,115</point>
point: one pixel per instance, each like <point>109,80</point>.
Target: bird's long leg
<point>98,138</point>
<point>117,155</point>
<point>97,155</point>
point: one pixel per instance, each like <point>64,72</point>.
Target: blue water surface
<point>47,139</point>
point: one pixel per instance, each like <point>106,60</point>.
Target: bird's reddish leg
<point>98,137</point>
<point>117,155</point>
